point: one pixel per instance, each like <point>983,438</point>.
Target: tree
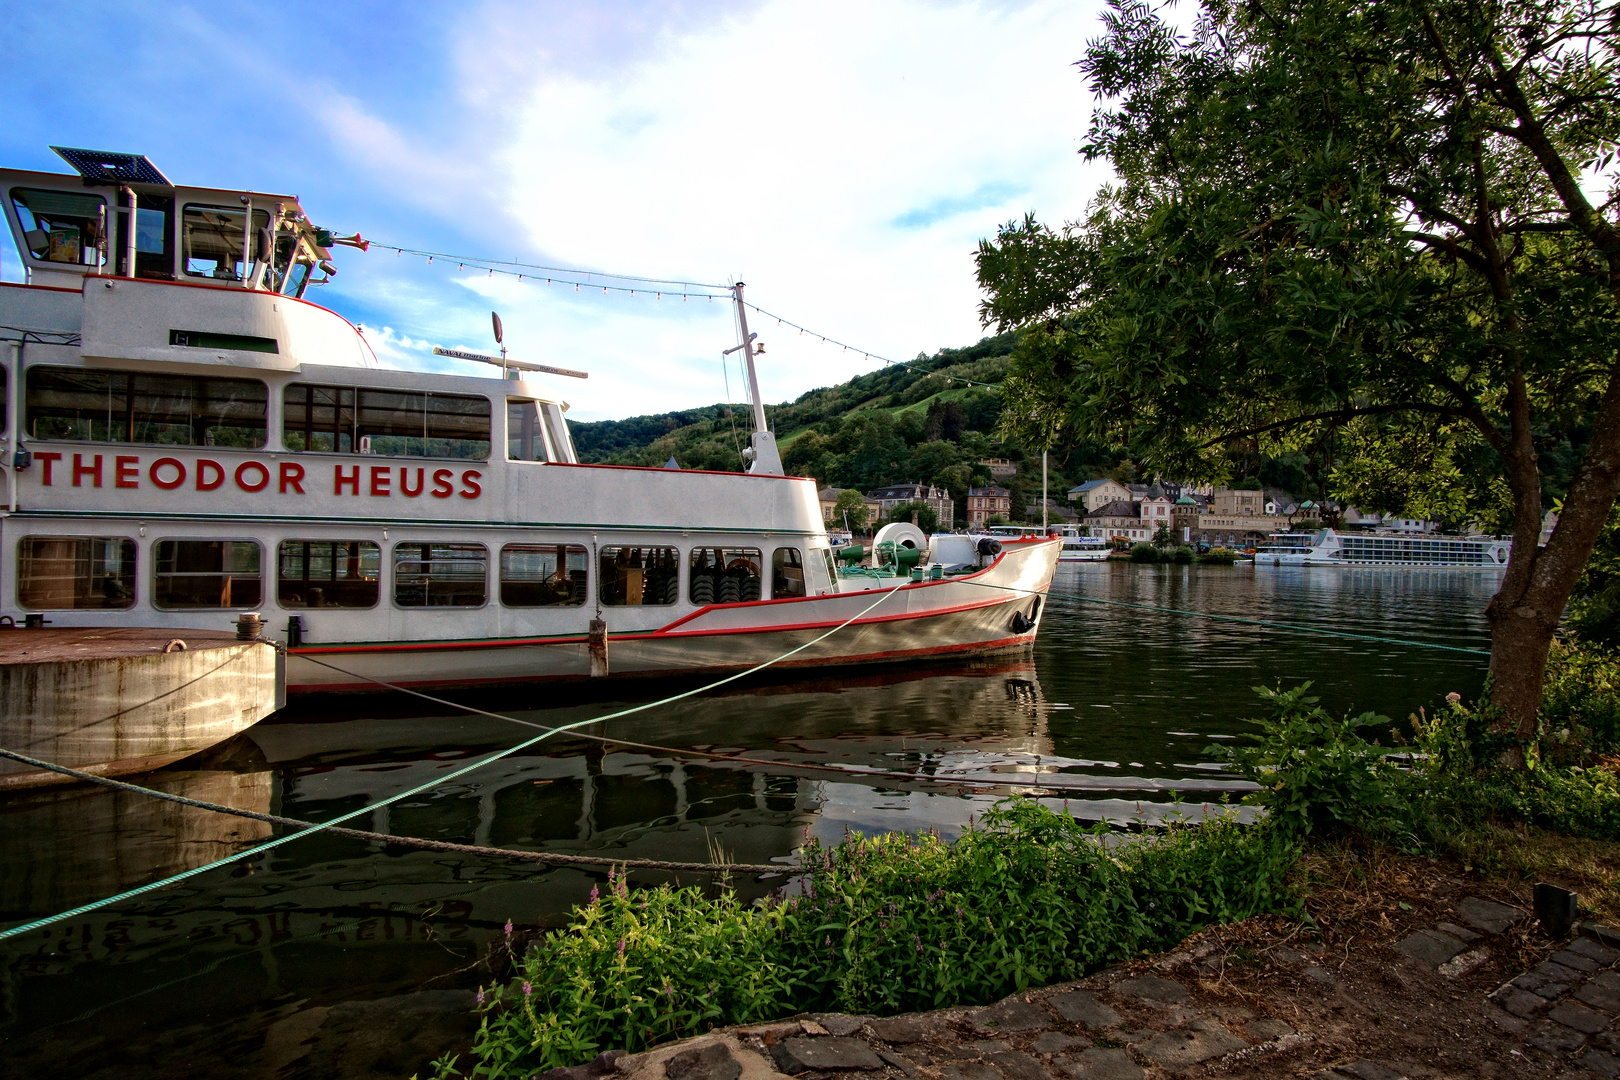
<point>1161,537</point>
<point>927,519</point>
<point>1364,230</point>
<point>851,507</point>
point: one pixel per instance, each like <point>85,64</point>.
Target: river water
<point>1114,713</point>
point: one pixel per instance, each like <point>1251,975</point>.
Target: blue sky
<point>842,158</point>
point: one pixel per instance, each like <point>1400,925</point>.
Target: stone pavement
<point>1138,1023</point>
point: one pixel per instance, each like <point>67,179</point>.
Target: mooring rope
<point>128,894</point>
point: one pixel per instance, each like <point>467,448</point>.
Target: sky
<point>843,159</point>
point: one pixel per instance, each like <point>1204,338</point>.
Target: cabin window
<point>724,575</point>
<point>635,576</point>
<point>212,237</point>
<point>544,575</point>
<point>526,432</point>
<point>328,573</point>
<point>153,256</point>
<point>440,575</point>
<point>207,574</point>
<point>60,226</point>
<point>168,410</point>
<point>397,423</point>
<point>787,574</point>
<point>821,570</point>
<point>66,573</point>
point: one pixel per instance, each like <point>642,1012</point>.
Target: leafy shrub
<point>1182,554</point>
<point>883,924</point>
<point>1219,555</point>
<point>1314,772</point>
<point>1144,553</point>
<point>1581,697</point>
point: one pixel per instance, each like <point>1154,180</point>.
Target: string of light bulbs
<point>557,275</point>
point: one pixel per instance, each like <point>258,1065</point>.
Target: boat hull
<point>996,610</point>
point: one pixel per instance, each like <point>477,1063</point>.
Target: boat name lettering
<point>206,474</point>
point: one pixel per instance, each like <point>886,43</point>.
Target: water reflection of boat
<point>63,847</point>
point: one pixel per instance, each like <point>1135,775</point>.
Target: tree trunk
<point>1525,610</point>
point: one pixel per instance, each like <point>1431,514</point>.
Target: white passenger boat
<point>1328,547</point>
<point>1084,549</point>
<point>186,437</point>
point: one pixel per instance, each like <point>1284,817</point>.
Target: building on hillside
<point>1096,493</point>
<point>984,503</point>
<point>828,498</point>
<point>1057,513</point>
<point>1119,519</point>
<point>1156,511</point>
<point>1238,502</point>
<point>1184,514</point>
<point>937,499</point>
<point>1238,530</point>
<point>1000,468</point>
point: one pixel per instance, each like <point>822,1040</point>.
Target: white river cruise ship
<point>1328,547</point>
<point>186,437</point>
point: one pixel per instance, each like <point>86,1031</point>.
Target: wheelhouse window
<point>328,573</point>
<point>544,575</point>
<point>123,407</point>
<point>212,240</point>
<point>402,423</point>
<point>70,573</point>
<point>207,574</point>
<point>526,432</point>
<point>639,576</point>
<point>61,226</point>
<point>440,575</point>
<point>787,573</point>
<point>153,255</point>
<point>724,575</point>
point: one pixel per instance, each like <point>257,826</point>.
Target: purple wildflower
<point>621,948</point>
<point>527,989</point>
<point>480,997</point>
<point>594,894</point>
<point>509,929</point>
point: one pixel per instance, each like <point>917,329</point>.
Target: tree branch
<point>1337,414</point>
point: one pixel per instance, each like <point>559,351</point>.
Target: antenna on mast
<point>761,455</point>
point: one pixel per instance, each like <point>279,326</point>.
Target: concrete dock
<point>125,700</point>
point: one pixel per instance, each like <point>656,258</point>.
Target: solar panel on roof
<point>109,166</point>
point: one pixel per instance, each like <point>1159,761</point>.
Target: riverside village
<point>1100,561</point>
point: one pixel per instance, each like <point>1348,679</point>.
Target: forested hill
<point>893,425</point>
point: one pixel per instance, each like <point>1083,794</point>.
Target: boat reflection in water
<point>330,919</point>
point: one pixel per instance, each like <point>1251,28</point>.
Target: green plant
<point>882,924</point>
<point>1315,772</point>
<point>1144,553</point>
<point>1581,696</point>
<point>1181,554</point>
<point>1219,555</point>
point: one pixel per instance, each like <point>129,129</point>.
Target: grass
<point>883,924</point>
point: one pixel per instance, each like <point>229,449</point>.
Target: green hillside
<point>893,425</point>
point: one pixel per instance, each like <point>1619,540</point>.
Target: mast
<point>761,455</point>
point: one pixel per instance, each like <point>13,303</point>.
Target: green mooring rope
<point>139,890</point>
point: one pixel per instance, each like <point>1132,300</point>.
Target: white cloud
<point>843,158</point>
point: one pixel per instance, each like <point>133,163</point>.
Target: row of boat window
<point>68,403</point>
<point>60,573</point>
